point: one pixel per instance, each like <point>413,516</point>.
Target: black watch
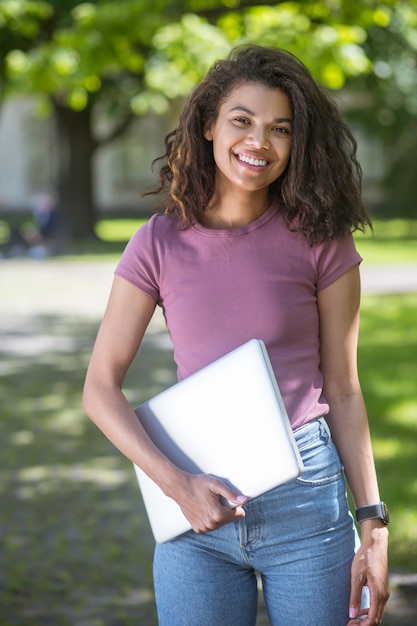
<point>373,511</point>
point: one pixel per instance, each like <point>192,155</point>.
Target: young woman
<point>262,192</point>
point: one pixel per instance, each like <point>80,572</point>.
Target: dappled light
<point>73,522</point>
<point>42,479</point>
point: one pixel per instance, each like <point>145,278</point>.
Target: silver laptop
<point>228,419</point>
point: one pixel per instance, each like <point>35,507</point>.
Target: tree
<point>120,59</point>
<point>390,111</point>
<point>20,28</point>
<point>88,59</point>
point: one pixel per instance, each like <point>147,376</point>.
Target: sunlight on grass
<point>391,242</point>
<point>386,448</point>
<point>403,541</point>
<point>394,252</point>
<point>104,472</point>
<point>395,228</point>
<point>118,230</point>
<point>22,438</point>
<point>388,369</point>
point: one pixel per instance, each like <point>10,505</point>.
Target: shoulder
<point>158,228</point>
<point>159,223</point>
<point>334,258</point>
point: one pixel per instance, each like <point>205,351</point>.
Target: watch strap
<point>373,511</point>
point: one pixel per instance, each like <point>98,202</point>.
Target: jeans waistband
<point>312,431</point>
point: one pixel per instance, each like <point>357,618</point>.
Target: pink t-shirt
<point>220,288</point>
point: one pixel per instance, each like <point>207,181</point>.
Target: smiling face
<point>251,138</point>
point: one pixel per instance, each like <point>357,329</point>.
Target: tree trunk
<point>74,171</point>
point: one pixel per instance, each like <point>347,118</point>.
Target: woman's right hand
<point>203,499</point>
<point>208,503</point>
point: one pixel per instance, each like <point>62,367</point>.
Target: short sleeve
<point>334,259</point>
<point>138,264</point>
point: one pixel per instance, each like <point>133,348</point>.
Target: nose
<point>258,137</point>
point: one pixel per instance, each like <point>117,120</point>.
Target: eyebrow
<point>279,120</point>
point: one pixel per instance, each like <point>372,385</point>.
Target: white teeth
<point>252,161</point>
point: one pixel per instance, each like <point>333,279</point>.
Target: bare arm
<point>127,316</point>
<point>339,323</point>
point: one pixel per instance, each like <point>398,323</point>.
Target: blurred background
<point>88,90</point>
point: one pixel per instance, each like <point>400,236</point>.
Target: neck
<point>232,212</point>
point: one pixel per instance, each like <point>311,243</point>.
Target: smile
<point>252,161</point>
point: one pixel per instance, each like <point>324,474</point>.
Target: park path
<point>30,289</point>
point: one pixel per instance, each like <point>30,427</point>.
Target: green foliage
<point>21,22</point>
<point>93,50</point>
<point>330,48</point>
<point>183,52</point>
<point>82,48</point>
<point>324,38</point>
<point>21,25</point>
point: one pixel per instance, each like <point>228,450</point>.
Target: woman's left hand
<point>370,568</point>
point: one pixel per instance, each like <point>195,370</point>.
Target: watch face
<point>385,517</point>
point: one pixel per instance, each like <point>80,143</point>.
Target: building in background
<point>122,169</point>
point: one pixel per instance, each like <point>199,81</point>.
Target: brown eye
<point>241,120</point>
<point>281,130</point>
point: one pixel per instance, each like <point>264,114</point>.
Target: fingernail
<point>241,499</point>
<point>353,612</point>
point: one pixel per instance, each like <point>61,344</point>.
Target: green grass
<point>76,545</point>
<point>117,230</point>
<point>391,242</point>
<point>388,367</point>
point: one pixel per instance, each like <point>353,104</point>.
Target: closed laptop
<point>229,420</point>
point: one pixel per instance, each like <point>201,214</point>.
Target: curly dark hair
<point>320,190</point>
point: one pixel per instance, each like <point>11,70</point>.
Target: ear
<point>208,133</point>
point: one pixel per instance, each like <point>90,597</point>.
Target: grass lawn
<point>391,242</point>
<point>76,548</point>
<point>388,367</point>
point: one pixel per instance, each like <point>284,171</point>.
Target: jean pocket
<point>322,463</point>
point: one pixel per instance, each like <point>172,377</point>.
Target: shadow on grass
<point>76,545</point>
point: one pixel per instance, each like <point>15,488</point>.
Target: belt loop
<point>326,427</point>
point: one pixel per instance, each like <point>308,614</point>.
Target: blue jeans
<point>300,537</point>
